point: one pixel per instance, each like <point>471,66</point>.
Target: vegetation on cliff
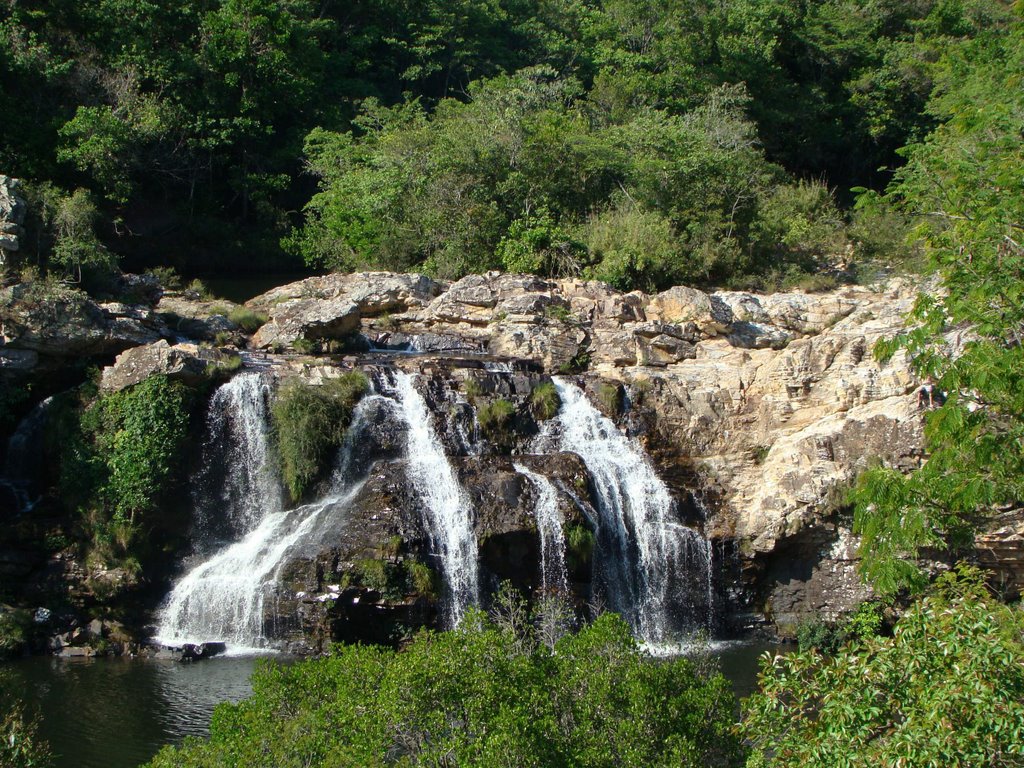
<point>964,182</point>
<point>309,421</point>
<point>946,689</point>
<point>119,456</point>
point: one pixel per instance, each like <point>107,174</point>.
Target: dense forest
<point>640,143</point>
<point>754,144</point>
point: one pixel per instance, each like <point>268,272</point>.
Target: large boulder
<point>183,362</point>
<point>681,304</point>
<point>308,319</point>
<point>59,321</point>
<point>332,306</point>
<point>374,293</point>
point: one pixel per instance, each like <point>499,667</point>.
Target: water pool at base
<point>117,713</point>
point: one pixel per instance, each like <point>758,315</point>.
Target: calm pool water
<point>117,713</point>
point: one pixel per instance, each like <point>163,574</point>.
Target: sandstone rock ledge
<point>773,403</point>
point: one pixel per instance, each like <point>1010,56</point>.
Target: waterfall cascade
<point>648,562</point>
<point>448,516</point>
<point>649,567</point>
<point>238,486</point>
<point>554,576</point>
<point>222,599</point>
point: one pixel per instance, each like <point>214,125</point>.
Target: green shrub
<point>799,224</point>
<point>818,282</point>
<point>310,421</point>
<point>559,312</point>
<point>634,248</point>
<point>20,744</point>
<point>305,346</point>
<point>200,288</point>
<point>373,574</point>
<point>473,389</point>
<point>119,455</point>
<point>946,689</point>
<point>495,418</point>
<point>544,400</point>
<point>482,695</point>
<point>579,545</point>
<point>422,579</point>
<point>168,278</point>
<point>14,631</point>
<point>610,397</point>
<point>579,363</point>
<point>392,546</point>
<point>816,634</point>
<point>248,320</point>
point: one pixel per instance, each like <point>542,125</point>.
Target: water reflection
<point>114,713</point>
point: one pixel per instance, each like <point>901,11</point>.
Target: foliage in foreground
<point>964,182</point>
<point>946,689</point>
<point>477,696</point>
<point>309,421</point>
<point>20,745</point>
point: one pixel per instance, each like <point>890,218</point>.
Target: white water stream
<point>554,576</point>
<point>238,445</point>
<point>222,599</point>
<point>448,514</point>
<point>644,555</point>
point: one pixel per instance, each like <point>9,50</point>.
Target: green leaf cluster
<point>477,696</point>
<point>963,181</point>
<point>20,743</point>
<point>310,421</point>
<point>118,456</point>
<point>946,689</point>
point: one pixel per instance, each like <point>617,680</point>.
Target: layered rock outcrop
<point>765,407</point>
<point>771,404</point>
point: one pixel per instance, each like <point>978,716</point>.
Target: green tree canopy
<point>946,689</point>
<point>482,695</point>
<point>964,183</point>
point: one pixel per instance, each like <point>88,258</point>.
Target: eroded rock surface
<point>772,403</point>
<point>182,362</point>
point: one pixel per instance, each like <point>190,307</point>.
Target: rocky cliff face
<point>768,406</point>
<point>759,411</point>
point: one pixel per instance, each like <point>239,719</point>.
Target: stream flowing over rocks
<point>692,476</point>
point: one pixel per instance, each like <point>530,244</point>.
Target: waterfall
<point>646,560</point>
<point>24,465</point>
<point>448,516</point>
<point>238,483</point>
<point>554,575</point>
<point>222,598</point>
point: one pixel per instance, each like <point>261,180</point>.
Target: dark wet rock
<point>13,208</point>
